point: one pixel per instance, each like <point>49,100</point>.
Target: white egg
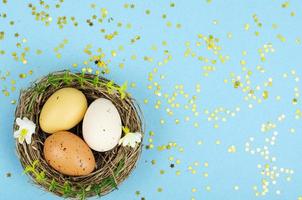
<point>102,125</point>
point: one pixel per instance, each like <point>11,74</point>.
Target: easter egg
<point>102,126</point>
<point>63,110</point>
<point>68,154</point>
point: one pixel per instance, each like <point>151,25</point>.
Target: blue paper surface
<point>254,49</point>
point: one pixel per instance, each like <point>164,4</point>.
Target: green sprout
<point>97,189</point>
<point>81,79</point>
<point>53,185</point>
<point>39,176</point>
<point>53,80</point>
<point>109,181</point>
<point>122,90</point>
<point>67,78</point>
<point>67,189</point>
<point>31,103</point>
<point>82,194</point>
<point>119,167</point>
<point>110,87</point>
<point>96,81</point>
<point>40,88</point>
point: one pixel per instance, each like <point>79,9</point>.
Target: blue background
<point>221,19</point>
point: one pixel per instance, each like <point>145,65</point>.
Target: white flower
<point>25,131</point>
<point>130,139</point>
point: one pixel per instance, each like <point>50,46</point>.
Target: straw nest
<point>112,167</point>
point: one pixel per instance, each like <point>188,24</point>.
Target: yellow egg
<point>69,154</point>
<point>63,110</point>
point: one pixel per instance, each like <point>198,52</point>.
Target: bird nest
<point>112,167</point>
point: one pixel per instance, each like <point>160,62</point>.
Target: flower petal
<point>28,138</point>
<point>25,124</point>
<point>125,143</point>
<point>126,140</point>
<point>121,141</point>
<point>138,137</point>
<point>27,121</point>
<point>21,140</point>
<point>17,133</point>
<point>29,125</point>
<point>19,122</point>
<point>133,144</point>
<point>32,129</point>
<point>137,141</point>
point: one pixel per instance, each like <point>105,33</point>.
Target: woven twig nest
<point>112,167</point>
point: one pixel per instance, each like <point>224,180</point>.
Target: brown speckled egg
<point>69,154</point>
